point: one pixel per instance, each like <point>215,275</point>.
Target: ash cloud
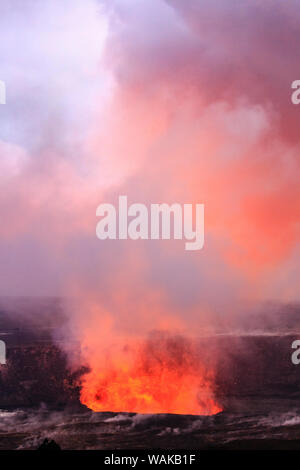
<point>165,102</point>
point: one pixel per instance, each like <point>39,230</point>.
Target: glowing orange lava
<point>156,381</point>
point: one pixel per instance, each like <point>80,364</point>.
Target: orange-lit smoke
<point>188,103</point>
<point>161,375</point>
<point>164,372</point>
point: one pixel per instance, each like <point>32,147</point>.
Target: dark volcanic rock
<point>49,445</point>
<point>38,374</point>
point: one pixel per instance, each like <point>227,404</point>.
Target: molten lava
<point>158,377</point>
